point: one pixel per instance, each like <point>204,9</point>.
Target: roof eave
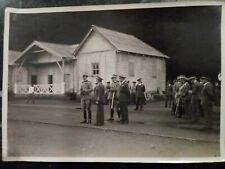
<point>140,54</point>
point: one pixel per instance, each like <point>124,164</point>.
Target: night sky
<point>190,36</point>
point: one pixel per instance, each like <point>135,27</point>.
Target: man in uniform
<point>195,99</point>
<point>181,89</point>
<point>85,92</point>
<point>140,94</point>
<point>107,91</point>
<point>177,107</point>
<point>124,99</point>
<point>207,98</point>
<point>133,93</point>
<point>169,94</point>
<point>113,97</point>
<point>185,97</point>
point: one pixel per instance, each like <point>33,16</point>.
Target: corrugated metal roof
<point>128,43</point>
<point>13,55</point>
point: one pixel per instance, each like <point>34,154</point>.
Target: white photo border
<point>9,11</point>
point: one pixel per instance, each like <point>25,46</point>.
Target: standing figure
<point>186,98</point>
<point>179,111</point>
<point>99,95</point>
<point>113,98</point>
<point>207,98</point>
<point>124,98</point>
<point>195,99</point>
<point>107,91</point>
<point>85,92</point>
<point>169,94</point>
<point>31,96</point>
<point>140,94</point>
<point>133,93</point>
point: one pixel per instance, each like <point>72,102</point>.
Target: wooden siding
<point>144,66</point>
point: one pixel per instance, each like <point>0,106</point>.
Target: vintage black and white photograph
<point>115,83</point>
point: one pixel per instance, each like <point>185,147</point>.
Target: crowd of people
<point>117,94</point>
<point>189,98</point>
<point>193,98</point>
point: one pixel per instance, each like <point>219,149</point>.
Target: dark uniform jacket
<point>169,90</point>
<point>196,90</point>
<point>99,93</point>
<point>140,90</point>
<point>124,93</point>
<point>207,94</point>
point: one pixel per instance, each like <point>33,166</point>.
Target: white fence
<point>40,88</point>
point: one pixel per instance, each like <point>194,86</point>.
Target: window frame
<point>131,69</point>
<point>95,68</point>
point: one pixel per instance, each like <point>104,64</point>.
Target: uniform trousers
<point>86,107</point>
<point>140,102</point>
<point>100,115</point>
<point>114,106</point>
<point>124,112</point>
<point>208,110</point>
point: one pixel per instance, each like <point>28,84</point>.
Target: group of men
<point>119,98</point>
<point>118,94</point>
<point>192,98</point>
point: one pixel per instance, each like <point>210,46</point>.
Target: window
<point>95,68</point>
<point>154,69</point>
<point>50,79</point>
<point>131,69</point>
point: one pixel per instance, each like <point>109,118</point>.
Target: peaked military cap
<point>204,77</point>
<point>192,78</point>
<point>99,78</point>
<point>85,74</point>
<point>182,77</point>
<point>139,79</point>
<point>114,76</point>
<point>122,76</point>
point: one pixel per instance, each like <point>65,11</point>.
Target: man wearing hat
<point>85,92</point>
<point>195,98</point>
<point>112,97</point>
<point>99,95</point>
<point>207,98</point>
<point>177,84</point>
<point>124,99</point>
<point>140,94</point>
<point>133,93</point>
<point>169,94</point>
<point>107,91</point>
<point>183,98</point>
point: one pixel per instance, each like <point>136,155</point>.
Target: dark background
<point>167,38</point>
<point>190,36</point>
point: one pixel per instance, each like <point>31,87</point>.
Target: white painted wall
<point>95,43</point>
<point>96,49</point>
<point>43,57</point>
<point>143,69</point>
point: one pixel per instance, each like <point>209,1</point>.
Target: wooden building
<point>105,52</point>
<point>58,69</point>
<point>47,66</point>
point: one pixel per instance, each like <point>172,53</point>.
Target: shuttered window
<point>131,69</point>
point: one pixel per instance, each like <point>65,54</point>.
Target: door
<point>33,79</point>
<point>67,82</point>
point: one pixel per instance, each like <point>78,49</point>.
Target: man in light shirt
<point>31,96</point>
